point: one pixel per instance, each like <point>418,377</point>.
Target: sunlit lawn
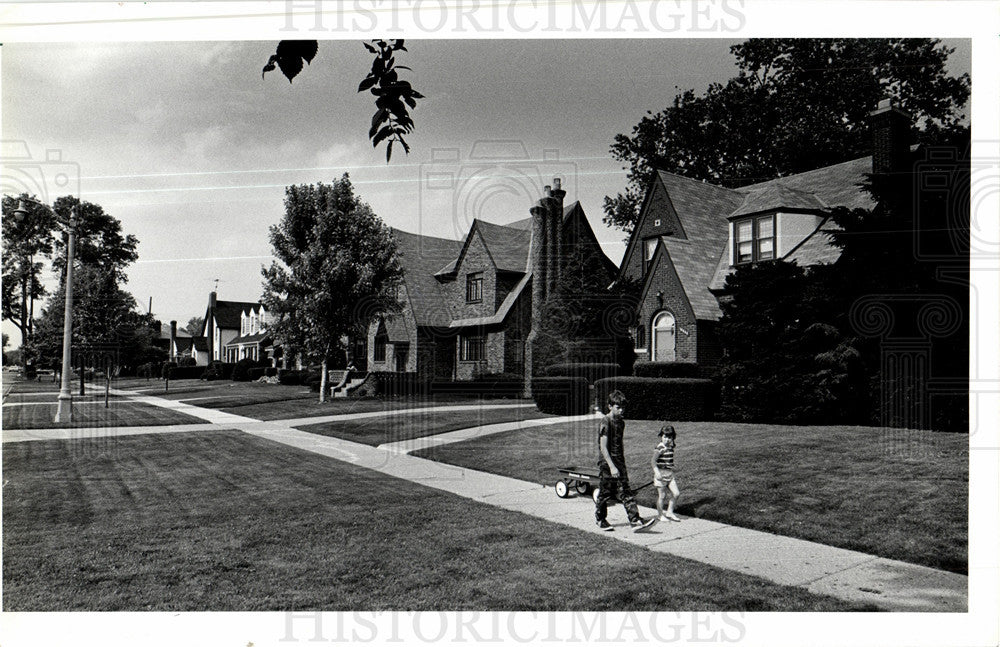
<point>897,493</point>
<point>36,410</point>
<point>226,521</point>
<point>388,429</point>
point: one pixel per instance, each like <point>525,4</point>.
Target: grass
<point>224,521</point>
<point>388,429</point>
<point>37,410</point>
<point>900,494</point>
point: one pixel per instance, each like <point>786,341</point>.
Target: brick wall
<point>658,208</point>
<point>675,301</point>
<point>476,259</point>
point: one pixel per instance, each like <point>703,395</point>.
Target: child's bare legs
<point>661,494</point>
<point>674,493</point>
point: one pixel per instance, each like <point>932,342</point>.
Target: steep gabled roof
<point>702,208</point>
<point>249,339</point>
<point>227,313</point>
<point>507,246</point>
<point>695,263</point>
<point>421,257</point>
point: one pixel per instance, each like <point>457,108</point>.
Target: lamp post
<point>64,412</point>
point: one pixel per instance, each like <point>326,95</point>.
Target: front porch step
<point>342,392</point>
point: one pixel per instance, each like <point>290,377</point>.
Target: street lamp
<point>64,412</point>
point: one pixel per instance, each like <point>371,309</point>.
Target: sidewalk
<point>850,575</point>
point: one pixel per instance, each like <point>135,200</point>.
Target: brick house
<point>468,303</point>
<point>690,236</point>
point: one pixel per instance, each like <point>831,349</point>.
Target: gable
<point>663,273</point>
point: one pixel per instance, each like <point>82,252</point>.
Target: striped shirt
<point>664,457</point>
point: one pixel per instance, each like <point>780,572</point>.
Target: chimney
<point>890,139</point>
<point>549,251</point>
<point>536,260</point>
<point>558,195</point>
<point>210,325</point>
<point>173,339</point>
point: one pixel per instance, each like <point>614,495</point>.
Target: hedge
<point>387,384</point>
<point>219,371</point>
<point>295,378</point>
<point>186,372</point>
<point>658,398</point>
<point>666,369</point>
<point>590,371</point>
<point>501,385</point>
<point>567,396</point>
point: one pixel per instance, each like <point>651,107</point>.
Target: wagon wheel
<point>596,493</point>
<point>562,489</point>
<point>582,487</point>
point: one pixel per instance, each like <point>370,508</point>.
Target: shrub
<point>242,368</point>
<point>666,369</point>
<point>218,371</point>
<point>590,371</point>
<point>166,368</point>
<point>147,370</point>
<point>502,385</point>
<point>187,361</point>
<point>384,384</point>
<point>567,396</point>
<point>660,398</point>
<point>293,377</point>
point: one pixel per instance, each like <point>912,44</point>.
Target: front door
<point>402,353</point>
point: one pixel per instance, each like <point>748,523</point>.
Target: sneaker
<point>641,524</point>
<point>672,517</point>
<point>604,525</point>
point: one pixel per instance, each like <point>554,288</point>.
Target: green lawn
<point>36,411</point>
<point>388,429</point>
<point>896,493</point>
<point>226,521</point>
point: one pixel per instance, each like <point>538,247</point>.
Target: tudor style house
<point>235,330</point>
<point>690,235</point>
<point>469,304</point>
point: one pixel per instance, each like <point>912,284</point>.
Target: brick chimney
<point>557,251</point>
<point>890,139</point>
<point>536,261</point>
<point>173,340</point>
<point>210,325</point>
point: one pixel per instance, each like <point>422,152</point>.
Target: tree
<point>787,111</point>
<point>100,242</point>
<point>26,242</point>
<point>392,96</point>
<point>195,326</point>
<point>337,269</point>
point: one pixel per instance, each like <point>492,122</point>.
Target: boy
<point>663,472</point>
<point>611,463</point>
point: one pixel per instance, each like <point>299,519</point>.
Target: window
<point>473,348</point>
<point>640,337</point>
<point>754,239</point>
<point>380,343</point>
<point>649,248</point>
<point>474,287</point>
<point>663,338</point>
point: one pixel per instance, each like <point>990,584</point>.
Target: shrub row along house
<point>690,235</point>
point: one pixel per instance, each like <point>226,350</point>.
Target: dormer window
<point>753,239</point>
<point>474,287</point>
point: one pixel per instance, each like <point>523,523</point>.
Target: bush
<point>590,371</point>
<point>147,370</point>
<point>242,368</point>
<point>658,398</point>
<point>666,369</point>
<point>567,396</point>
<point>187,361</point>
<point>293,377</point>
<point>218,371</point>
<point>386,384</point>
<point>501,385</point>
<point>166,368</point>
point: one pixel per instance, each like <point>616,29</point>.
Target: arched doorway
<point>663,337</point>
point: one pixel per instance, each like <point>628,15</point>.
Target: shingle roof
<point>774,196</point>
<point>227,313</point>
<point>695,263</point>
<point>248,339</point>
<point>421,257</point>
<point>837,185</point>
<point>817,190</point>
<point>508,246</point>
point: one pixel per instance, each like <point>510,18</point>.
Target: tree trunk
<point>322,382</point>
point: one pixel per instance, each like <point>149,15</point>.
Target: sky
<point>191,149</point>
